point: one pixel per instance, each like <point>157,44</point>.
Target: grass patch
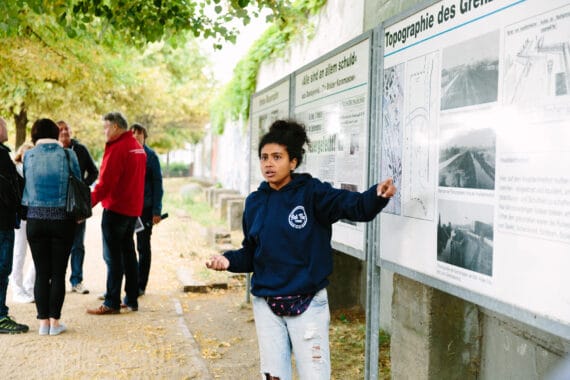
<point>182,194</point>
<point>347,341</point>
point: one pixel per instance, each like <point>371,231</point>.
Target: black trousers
<point>50,242</point>
<point>144,249</point>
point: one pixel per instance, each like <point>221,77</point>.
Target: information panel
<point>267,106</point>
<point>476,134</point>
<point>332,100</point>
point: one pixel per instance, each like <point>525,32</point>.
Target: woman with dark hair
<point>49,228</point>
<point>287,226</point>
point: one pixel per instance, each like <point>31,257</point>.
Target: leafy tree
<point>73,59</point>
<point>143,21</point>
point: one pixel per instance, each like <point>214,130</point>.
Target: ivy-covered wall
<point>233,103</point>
<point>320,27</point>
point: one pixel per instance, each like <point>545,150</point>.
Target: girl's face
<point>276,166</point>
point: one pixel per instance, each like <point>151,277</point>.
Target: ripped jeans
<point>306,336</point>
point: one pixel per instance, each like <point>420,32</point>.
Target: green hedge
<point>176,169</point>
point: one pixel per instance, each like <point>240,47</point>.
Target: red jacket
<point>121,181</point>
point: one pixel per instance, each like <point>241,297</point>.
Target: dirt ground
<point>174,335</point>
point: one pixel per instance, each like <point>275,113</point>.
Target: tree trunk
<point>168,164</point>
<point>21,120</point>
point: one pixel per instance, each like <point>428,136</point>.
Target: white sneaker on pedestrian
<point>80,288</point>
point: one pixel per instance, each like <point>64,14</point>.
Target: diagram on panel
<point>537,58</point>
<point>392,111</point>
<point>418,185</point>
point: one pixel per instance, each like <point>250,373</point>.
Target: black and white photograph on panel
<point>465,235</point>
<point>470,72</point>
<point>354,144</point>
<point>349,187</point>
<point>467,157</point>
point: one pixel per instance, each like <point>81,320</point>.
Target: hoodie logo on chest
<point>298,217</point>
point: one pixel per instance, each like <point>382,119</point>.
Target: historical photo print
<point>465,236</point>
<point>467,158</point>
<point>349,187</point>
<point>470,72</point>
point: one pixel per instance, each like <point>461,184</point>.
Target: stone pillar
<point>346,282</point>
<point>235,214</point>
<point>434,335</point>
<point>224,200</point>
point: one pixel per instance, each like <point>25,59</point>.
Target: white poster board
<point>331,98</point>
<point>476,133</point>
<point>267,105</point>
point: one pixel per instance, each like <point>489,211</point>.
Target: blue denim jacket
<point>46,173</point>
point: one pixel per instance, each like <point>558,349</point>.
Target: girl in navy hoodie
<point>287,226</point>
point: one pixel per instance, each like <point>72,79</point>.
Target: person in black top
<point>89,173</point>
<point>10,198</point>
<point>152,206</point>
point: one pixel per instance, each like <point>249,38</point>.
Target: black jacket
<point>10,190</point>
<point>89,171</point>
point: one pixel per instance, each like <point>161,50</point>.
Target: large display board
<point>476,133</point>
<point>332,98</point>
<point>267,105</point>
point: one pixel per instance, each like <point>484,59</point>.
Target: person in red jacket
<point>120,190</point>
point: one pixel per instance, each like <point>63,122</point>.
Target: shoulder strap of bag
<point>68,161</point>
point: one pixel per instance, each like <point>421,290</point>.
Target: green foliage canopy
<point>75,60</point>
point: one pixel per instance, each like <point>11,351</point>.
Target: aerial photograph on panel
<point>465,235</point>
<point>470,72</point>
<point>467,158</point>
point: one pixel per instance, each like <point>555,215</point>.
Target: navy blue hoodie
<point>287,234</point>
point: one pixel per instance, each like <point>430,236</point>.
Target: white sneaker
<point>79,288</point>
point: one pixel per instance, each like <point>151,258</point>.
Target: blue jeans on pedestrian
<point>6,257</point>
<point>77,255</point>
<point>306,336</point>
<point>120,257</point>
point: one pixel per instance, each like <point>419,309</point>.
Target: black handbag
<point>78,203</point>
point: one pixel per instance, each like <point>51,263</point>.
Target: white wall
<point>338,22</point>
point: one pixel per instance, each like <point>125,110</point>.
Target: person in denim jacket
<point>287,228</point>
<point>49,228</point>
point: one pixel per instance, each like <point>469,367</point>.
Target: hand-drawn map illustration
<point>392,110</point>
<point>419,180</point>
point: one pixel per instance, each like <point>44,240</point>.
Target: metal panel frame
<point>542,322</point>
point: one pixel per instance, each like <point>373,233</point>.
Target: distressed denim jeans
<point>306,336</point>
